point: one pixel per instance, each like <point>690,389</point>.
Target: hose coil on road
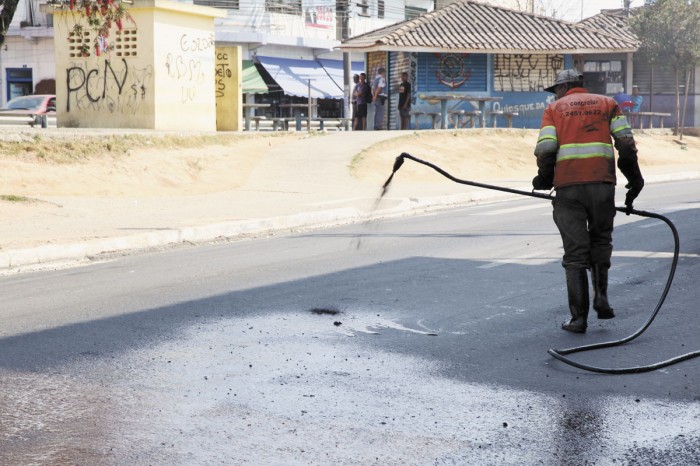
<point>560,353</point>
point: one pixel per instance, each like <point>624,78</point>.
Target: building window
<point>226,4</point>
<point>288,7</point>
<point>603,76</point>
<point>380,9</point>
<point>363,8</point>
<point>411,12</point>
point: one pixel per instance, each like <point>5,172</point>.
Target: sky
<point>571,10</point>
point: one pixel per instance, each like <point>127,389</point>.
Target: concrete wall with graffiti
<point>157,73</point>
<point>229,89</point>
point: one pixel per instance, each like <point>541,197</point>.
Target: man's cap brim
<point>552,89</point>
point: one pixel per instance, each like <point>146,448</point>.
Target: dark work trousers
<point>584,214</point>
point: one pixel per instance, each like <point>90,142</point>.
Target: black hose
<point>559,354</point>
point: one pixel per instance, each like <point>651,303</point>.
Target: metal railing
<point>36,121</point>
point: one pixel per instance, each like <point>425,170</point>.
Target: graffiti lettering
<point>223,72</point>
<point>188,71</point>
<point>522,109</point>
<point>525,73</point>
<point>196,44</point>
<point>104,88</point>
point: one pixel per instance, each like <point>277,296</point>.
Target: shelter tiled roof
<point>469,26</point>
<point>610,22</point>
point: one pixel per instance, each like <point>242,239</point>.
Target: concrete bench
<point>319,124</point>
<point>509,116</point>
<point>460,117</point>
<point>257,120</point>
<point>281,124</point>
<point>639,116</point>
<point>434,118</point>
<point>334,124</point>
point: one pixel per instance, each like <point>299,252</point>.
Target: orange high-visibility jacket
<point>575,145</point>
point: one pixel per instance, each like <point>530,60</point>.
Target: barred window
<point>289,7</point>
<point>226,4</point>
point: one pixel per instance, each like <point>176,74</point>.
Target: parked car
<point>35,108</point>
<point>38,104</point>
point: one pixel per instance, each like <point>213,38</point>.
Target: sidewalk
<point>305,183</point>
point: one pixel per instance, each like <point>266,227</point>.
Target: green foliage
<point>7,12</point>
<point>669,31</point>
<point>14,198</point>
<point>99,16</point>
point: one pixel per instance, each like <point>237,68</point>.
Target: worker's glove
<point>634,187</point>
<point>541,184</point>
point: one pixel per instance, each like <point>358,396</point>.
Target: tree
<point>99,16</point>
<point>669,32</point>
<point>7,12</point>
<point>553,8</point>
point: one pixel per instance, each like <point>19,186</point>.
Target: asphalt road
<point>419,340</point>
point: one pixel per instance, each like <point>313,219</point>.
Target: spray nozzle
<point>398,162</point>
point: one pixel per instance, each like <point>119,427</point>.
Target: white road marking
<point>651,254</point>
<point>515,209</point>
<point>529,259</point>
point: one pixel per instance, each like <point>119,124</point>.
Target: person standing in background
<point>362,95</point>
<point>405,101</point>
<point>379,97</point>
<point>356,80</point>
<point>637,99</point>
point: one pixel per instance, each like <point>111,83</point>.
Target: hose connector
<point>398,162</point>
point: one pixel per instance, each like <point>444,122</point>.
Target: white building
<point>27,56</point>
<point>267,31</point>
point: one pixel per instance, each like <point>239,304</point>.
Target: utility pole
<point>342,8</point>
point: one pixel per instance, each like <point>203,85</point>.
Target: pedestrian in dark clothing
<point>405,101</point>
<point>575,156</point>
<point>363,95</point>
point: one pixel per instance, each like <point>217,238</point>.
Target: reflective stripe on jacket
<point>575,138</point>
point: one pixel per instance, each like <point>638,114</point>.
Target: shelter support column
<point>229,89</point>
<point>629,73</point>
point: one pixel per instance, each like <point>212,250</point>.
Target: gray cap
<point>565,76</point>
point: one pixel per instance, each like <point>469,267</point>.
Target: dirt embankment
<point>147,164</point>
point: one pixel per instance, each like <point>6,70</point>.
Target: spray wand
<point>559,354</point>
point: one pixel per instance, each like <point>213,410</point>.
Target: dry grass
<point>83,148</point>
<point>15,198</point>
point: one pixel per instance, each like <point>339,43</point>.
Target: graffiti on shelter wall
<point>525,73</point>
<point>185,66</point>
<point>223,73</point>
<point>452,70</point>
<point>109,86</point>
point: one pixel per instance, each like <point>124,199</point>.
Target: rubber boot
<point>599,274</point>
<point>577,288</point>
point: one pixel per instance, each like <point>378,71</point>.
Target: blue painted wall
<point>473,74</point>
<point>437,71</point>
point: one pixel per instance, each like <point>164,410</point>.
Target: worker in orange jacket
<point>575,157</point>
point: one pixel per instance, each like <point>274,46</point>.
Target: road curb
<point>46,256</point>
